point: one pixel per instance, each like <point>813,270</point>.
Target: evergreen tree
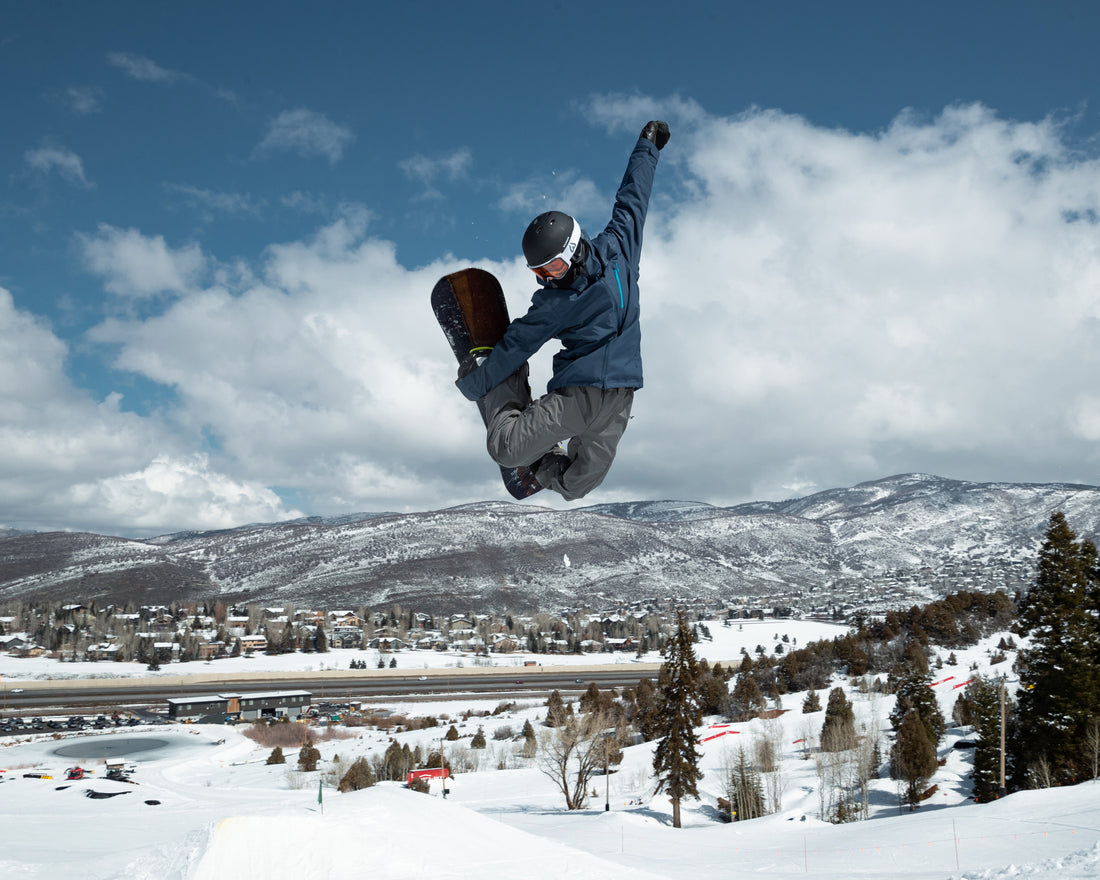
<point>1060,671</point>
<point>452,734</point>
<point>308,756</point>
<point>646,709</point>
<point>478,742</point>
<point>675,759</point>
<point>276,756</point>
<point>530,742</point>
<point>747,700</point>
<point>913,692</point>
<point>984,701</point>
<point>913,758</point>
<point>812,703</point>
<point>320,640</point>
<point>838,731</point>
<point>359,775</point>
<point>556,710</point>
<point>744,789</point>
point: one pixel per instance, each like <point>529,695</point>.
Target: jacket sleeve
<point>632,201</point>
<point>524,337</point>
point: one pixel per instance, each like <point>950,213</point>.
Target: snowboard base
<point>473,315</point>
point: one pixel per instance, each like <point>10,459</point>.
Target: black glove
<point>657,132</point>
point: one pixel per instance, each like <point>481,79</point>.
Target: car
<point>423,678</point>
<point>17,690</point>
<point>519,681</point>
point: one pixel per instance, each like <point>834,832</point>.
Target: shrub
<point>359,775</point>
<point>308,756</point>
<point>276,756</point>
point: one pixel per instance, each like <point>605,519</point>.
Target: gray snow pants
<point>521,431</point>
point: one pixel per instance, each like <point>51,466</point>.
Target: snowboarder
<point>589,301</point>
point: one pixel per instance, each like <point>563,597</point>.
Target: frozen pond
<point>113,746</point>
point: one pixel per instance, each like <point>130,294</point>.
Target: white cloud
<point>428,170</point>
<point>820,307</point>
<point>83,100</point>
<point>221,202</point>
<point>65,163</point>
<point>308,134</point>
<point>144,69</point>
<point>70,461</point>
<point>136,265</point>
<point>566,191</point>
<point>179,491</point>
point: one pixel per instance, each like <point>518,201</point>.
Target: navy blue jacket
<point>596,317</point>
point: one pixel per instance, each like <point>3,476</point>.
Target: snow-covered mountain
<point>888,542</point>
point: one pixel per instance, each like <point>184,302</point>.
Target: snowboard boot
<point>549,469</point>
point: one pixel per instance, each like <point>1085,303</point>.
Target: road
<point>64,697</point>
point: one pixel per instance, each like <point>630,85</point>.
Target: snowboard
<point>473,315</point>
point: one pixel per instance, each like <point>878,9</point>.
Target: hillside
<point>914,536</point>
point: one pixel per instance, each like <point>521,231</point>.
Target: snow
<point>726,646</point>
<point>221,811</point>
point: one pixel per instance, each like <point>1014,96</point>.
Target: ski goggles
<point>558,265</point>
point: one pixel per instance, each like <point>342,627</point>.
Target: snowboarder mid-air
<point>588,299</point>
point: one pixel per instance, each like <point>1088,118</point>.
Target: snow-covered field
<point>207,806</point>
<point>726,645</point>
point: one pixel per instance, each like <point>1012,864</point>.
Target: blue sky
<point>873,245</point>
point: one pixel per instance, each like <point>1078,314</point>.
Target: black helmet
<point>550,244</point>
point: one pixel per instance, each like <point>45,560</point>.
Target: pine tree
<point>913,758</point>
<point>646,709</point>
<point>1060,671</point>
<point>984,699</point>
<point>530,742</point>
<point>747,700</point>
<point>744,789</point>
<point>913,692</point>
<point>675,759</point>
<point>478,742</point>
<point>359,775</point>
<point>308,756</point>
<point>556,710</point>
<point>838,731</point>
<point>812,703</point>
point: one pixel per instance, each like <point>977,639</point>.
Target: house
<point>13,642</point>
<point>103,651</point>
<point>345,618</point>
<point>210,650</point>
<point>503,644</point>
<point>345,637</point>
<point>253,643</point>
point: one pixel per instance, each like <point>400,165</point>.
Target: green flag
<point>320,796</point>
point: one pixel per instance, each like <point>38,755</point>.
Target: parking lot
<point>14,725</point>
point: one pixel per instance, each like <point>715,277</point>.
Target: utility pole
<point>1001,791</point>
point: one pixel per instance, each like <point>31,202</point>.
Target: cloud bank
<point>820,307</point>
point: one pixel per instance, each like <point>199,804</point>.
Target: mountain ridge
<point>914,535</point>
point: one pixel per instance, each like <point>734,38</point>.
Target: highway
<point>378,686</point>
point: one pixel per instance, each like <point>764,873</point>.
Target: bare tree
<point>571,751</point>
<point>767,756</point>
<point>1092,746</point>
